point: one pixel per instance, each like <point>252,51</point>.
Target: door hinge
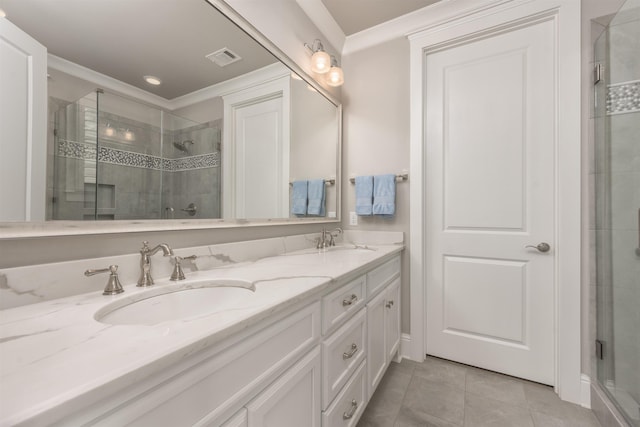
<point>599,349</point>
<point>55,132</point>
<point>597,73</point>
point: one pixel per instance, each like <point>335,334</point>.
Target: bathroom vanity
<point>295,337</point>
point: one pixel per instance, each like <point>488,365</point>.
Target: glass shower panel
<point>75,161</point>
<point>119,159</point>
<point>617,179</point>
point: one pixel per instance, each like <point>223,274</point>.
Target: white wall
<point>376,135</point>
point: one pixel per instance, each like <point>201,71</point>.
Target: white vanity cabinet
<point>315,363</point>
<point>357,354</point>
<point>383,321</point>
<point>293,400</point>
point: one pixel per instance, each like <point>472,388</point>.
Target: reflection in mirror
<point>224,135</point>
<point>117,159</point>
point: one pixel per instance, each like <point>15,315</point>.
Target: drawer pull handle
<point>354,349</point>
<point>389,304</point>
<point>352,411</point>
<point>352,299</point>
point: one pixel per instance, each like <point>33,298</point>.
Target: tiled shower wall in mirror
<point>148,164</point>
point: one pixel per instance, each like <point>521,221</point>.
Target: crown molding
<point>248,80</point>
<point>434,15</point>
<point>254,78</point>
<point>320,16</point>
<point>105,82</point>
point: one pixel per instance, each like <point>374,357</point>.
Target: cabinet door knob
<point>389,304</point>
<point>349,355</point>
<point>352,299</point>
<point>352,411</point>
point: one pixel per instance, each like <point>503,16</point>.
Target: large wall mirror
<point>224,138</point>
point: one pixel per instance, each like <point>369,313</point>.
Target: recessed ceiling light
<point>152,80</point>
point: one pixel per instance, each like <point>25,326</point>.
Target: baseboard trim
<point>405,347</point>
<point>585,391</point>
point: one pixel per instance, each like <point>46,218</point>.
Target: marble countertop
<point>54,354</point>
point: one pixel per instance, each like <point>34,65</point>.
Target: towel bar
<point>402,177</point>
<point>330,181</point>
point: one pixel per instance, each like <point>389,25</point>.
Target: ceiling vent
<point>223,57</point>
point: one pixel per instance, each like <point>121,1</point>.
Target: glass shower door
<point>617,183</point>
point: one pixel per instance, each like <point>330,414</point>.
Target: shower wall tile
<point>623,98</point>
<point>623,141</point>
<point>593,277</point>
<point>625,200</point>
<point>625,264</point>
<point>602,210</point>
<point>627,344</point>
<point>623,51</point>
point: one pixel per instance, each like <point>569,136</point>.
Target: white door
<point>23,124</point>
<point>490,136</point>
<point>260,170</point>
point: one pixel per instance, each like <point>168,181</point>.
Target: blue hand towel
<point>364,195</point>
<point>384,195</point>
<point>316,197</point>
<point>299,198</point>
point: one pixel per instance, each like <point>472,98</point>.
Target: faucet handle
<point>113,283</point>
<point>178,273</point>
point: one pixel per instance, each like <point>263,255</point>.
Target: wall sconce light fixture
<point>129,136</point>
<point>335,77</point>
<point>109,130</point>
<point>320,60</point>
<point>323,63</point>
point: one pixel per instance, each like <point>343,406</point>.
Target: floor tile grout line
<point>395,419</point>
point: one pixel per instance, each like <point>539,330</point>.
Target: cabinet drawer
<point>342,353</point>
<point>342,303</point>
<point>379,277</point>
<point>211,389</point>
<point>346,410</point>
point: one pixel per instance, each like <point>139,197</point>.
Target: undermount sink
<point>176,302</point>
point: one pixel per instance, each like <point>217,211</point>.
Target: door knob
<point>542,247</point>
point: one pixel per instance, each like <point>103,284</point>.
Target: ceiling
<point>127,40</point>
<point>356,15</point>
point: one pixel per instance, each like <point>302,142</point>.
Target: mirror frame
<point>15,230</point>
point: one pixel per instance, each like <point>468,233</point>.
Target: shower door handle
<point>542,247</point>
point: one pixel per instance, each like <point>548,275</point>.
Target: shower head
<point>182,145</point>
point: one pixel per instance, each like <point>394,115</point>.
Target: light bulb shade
<point>320,62</point>
<point>335,77</point>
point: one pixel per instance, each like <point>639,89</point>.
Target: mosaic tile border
<point>623,98</point>
<point>77,150</point>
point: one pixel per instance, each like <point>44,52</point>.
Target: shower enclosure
<point>617,210</point>
<point>117,159</point>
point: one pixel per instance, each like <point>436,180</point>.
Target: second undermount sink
<point>176,302</point>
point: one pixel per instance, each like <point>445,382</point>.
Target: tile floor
<point>439,393</point>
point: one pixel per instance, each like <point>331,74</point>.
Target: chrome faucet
<point>145,261</point>
<point>327,238</point>
<point>321,242</point>
<point>332,236</point>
